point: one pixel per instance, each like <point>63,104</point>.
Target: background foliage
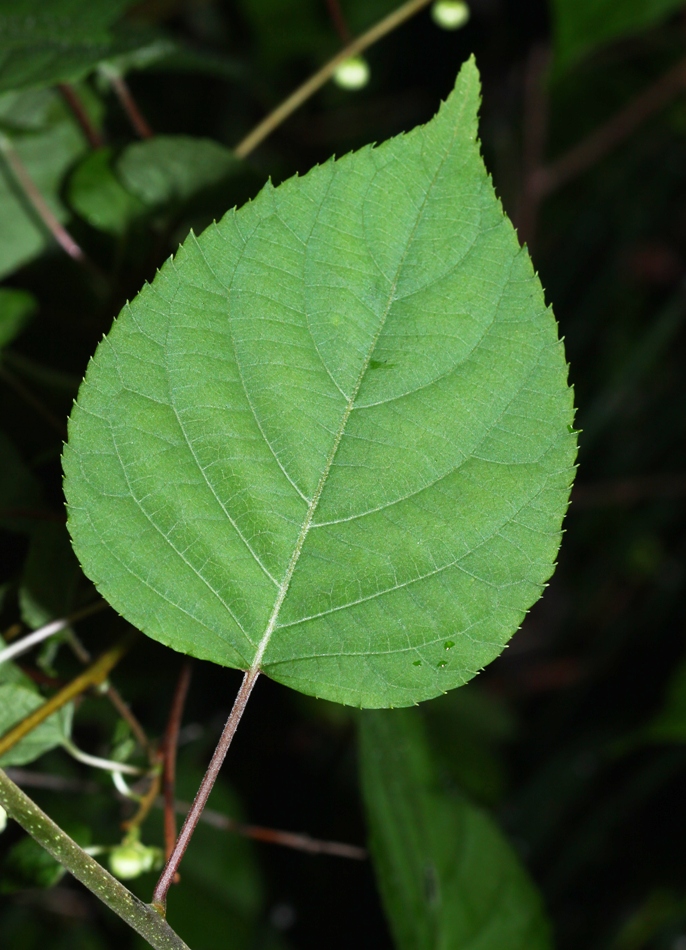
<point>571,745</point>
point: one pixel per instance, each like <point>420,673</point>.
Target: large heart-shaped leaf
<point>332,440</point>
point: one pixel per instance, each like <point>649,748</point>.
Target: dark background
<point>553,735</point>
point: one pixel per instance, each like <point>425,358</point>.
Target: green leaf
<point>16,702</point>
<point>171,169</point>
<point>46,155</point>
<point>16,309</point>
<point>582,25</point>
<point>45,43</point>
<point>98,196</point>
<point>331,440</point>
<point>447,876</point>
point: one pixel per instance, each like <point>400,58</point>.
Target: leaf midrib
<point>312,507</point>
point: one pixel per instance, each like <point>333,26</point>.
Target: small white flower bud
<point>352,74</point>
<point>450,14</point>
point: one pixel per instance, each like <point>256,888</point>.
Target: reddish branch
<point>72,99</point>
<point>286,838</point>
<point>129,105</point>
<point>38,202</point>
<point>339,21</point>
<point>214,818</point>
<point>159,897</point>
<point>169,745</point>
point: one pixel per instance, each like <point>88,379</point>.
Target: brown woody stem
<point>170,742</point>
<point>38,202</point>
<point>339,21</point>
<point>129,104</point>
<point>73,100</point>
<point>159,897</point>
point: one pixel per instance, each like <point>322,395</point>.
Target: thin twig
<point>322,76</point>
<point>210,817</point>
<point>599,143</point>
<point>535,131</point>
<point>96,674</point>
<point>71,97</point>
<point>38,202</point>
<point>49,630</point>
<point>169,745</point>
<point>159,897</point>
<point>21,390</point>
<point>339,21</point>
<point>286,838</point>
<point>129,104</point>
<point>146,802</point>
<point>127,715</point>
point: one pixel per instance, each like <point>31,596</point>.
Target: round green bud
<point>450,14</point>
<point>353,73</point>
<point>128,861</point>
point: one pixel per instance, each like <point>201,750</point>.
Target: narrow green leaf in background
<point>333,439</point>
<point>448,878</point>
<point>16,702</point>
<point>583,25</point>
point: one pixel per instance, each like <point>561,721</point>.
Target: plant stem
<point>322,76</point>
<point>126,714</point>
<point>38,202</point>
<point>171,739</point>
<point>128,103</point>
<point>49,630</point>
<point>273,836</point>
<point>287,839</point>
<point>141,917</point>
<point>107,765</point>
<point>159,897</point>
<point>338,21</point>
<point>73,100</point>
<point>95,675</point>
